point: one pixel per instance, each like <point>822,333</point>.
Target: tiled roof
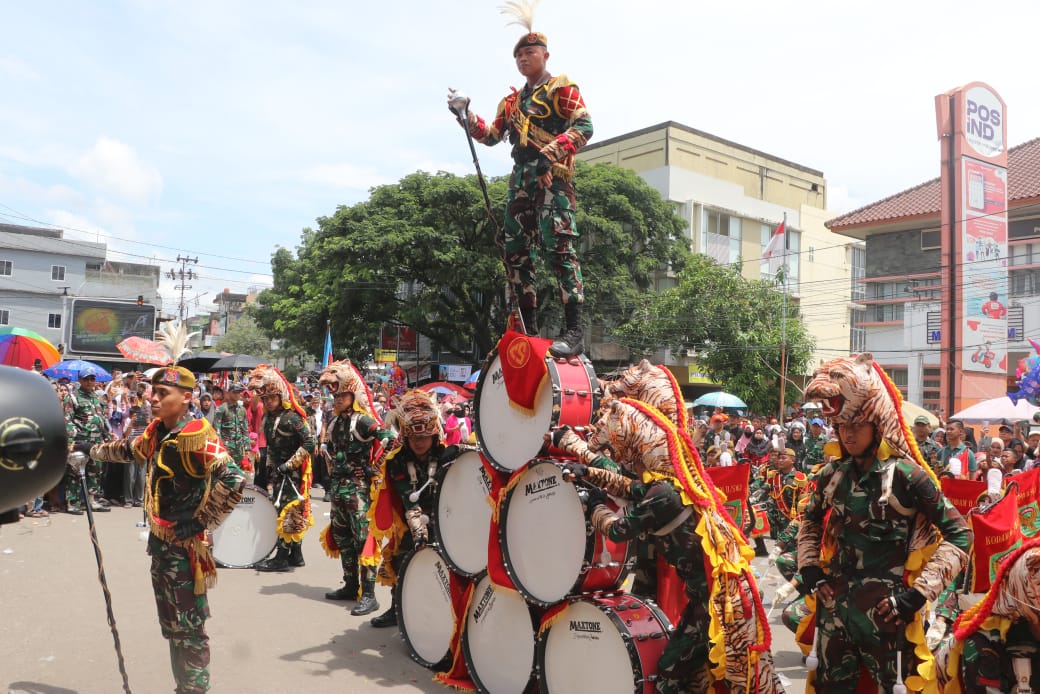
<point>923,199</point>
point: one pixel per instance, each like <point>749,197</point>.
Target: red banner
<point>996,535</point>
<point>399,339</point>
<point>1027,493</point>
<point>963,494</point>
<point>733,482</point>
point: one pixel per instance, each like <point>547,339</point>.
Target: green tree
<point>244,336</point>
<point>421,252</point>
<point>732,324</point>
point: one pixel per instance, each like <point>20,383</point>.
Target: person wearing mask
<point>758,448</point>
<point>813,454</point>
<point>452,426</point>
<point>743,440</point>
<point>796,441</point>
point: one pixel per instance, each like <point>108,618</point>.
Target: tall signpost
<point>972,129</point>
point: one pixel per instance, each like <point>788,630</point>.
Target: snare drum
<point>548,548</point>
<point>424,610</point>
<point>249,533</point>
<point>509,437</point>
<point>499,639</point>
<point>463,515</point>
<point>603,644</point>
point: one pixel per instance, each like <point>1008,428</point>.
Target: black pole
<point>101,573</point>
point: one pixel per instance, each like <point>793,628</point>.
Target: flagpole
<point>326,358</point>
<point>783,328</point>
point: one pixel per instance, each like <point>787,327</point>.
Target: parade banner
<point>732,481</point>
<point>963,494</point>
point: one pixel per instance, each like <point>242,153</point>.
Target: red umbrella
<point>21,347</point>
<point>144,350</point>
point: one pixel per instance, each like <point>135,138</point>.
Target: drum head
<point>424,609</point>
<point>499,639</point>
<point>509,437</point>
<point>585,652</point>
<point>464,515</point>
<point>543,533</point>
<point>249,533</point>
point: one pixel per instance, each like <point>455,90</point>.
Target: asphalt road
<point>269,632</point>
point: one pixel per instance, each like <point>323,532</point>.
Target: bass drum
<point>249,533</point>
<point>499,639</point>
<point>509,437</point>
<point>604,644</point>
<point>424,610</point>
<point>463,514</point>
<point>549,550</point>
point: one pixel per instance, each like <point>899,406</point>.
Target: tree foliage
<point>244,336</point>
<point>732,324</point>
<point>421,252</point>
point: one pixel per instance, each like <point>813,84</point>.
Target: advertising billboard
<point>97,326</point>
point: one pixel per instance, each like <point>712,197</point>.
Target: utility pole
<point>183,276</point>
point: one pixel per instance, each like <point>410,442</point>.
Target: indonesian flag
<point>775,247</point>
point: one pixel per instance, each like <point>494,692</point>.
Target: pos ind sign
<point>983,121</point>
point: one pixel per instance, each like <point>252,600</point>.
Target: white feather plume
<point>523,10</point>
<point>174,336</point>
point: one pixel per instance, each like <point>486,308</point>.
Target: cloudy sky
<point>222,128</point>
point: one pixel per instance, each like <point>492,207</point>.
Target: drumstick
<point>414,496</point>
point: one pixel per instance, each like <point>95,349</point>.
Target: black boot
<point>569,344</point>
<point>530,317</point>
<point>367,604</point>
<point>296,554</point>
<point>279,562</point>
<point>349,590</point>
<point>388,618</point>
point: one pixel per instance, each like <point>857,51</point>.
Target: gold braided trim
<point>196,435</point>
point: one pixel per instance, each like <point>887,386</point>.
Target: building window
<point>900,377</point>
<point>1024,282</point>
<point>57,273</point>
<point>53,320</point>
<point>859,272</point>
<point>1025,254</point>
<point>931,239</point>
<point>768,269</point>
<point>812,254</point>
<point>721,238</point>
<point>5,268</point>
<point>857,334</point>
<point>885,313</point>
<point>5,315</point>
<point>930,393</point>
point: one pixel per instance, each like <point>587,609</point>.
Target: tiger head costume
<point>633,439</point>
<point>653,385</point>
<point>267,380</point>
<point>342,376</point>
<point>856,389</point>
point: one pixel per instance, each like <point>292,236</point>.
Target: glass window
<point>885,313</point>
<point>53,320</point>
<point>900,377</point>
<point>5,268</point>
<point>1024,282</point>
<point>721,237</point>
<point>859,271</point>
<point>58,273</point>
<point>4,316</point>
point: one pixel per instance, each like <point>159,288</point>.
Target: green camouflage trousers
<point>182,615</point>
<point>794,613</point>
<point>850,637</point>
<point>787,564</point>
<point>683,666</point>
<point>350,527</point>
<point>535,216</point>
<point>73,488</point>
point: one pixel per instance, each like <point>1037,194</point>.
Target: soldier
<point>881,505</point>
<point>348,443</point>
<point>785,488</point>
<point>546,123</point>
<point>290,445</point>
<point>231,423</point>
<point>923,437</point>
<point>86,423</point>
<point>812,451</point>
<point>413,462</point>
<point>191,486</point>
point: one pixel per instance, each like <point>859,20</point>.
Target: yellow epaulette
<point>557,82</point>
<point>195,435</point>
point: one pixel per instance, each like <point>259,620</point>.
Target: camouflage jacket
<point>873,536</point>
<point>286,433</point>
<point>406,474</point>
<point>929,448</point>
<point>232,425</point>
<point>812,451</point>
<point>350,438</point>
<point>85,418</point>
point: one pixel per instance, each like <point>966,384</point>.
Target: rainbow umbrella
<point>20,347</point>
<point>144,350</point>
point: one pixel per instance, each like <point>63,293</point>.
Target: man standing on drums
<point>349,439</point>
<point>547,123</point>
<point>290,445</point>
<point>192,484</point>
<point>404,501</point>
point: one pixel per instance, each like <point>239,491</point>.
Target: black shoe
<point>387,619</point>
<point>570,343</point>
<point>296,555</point>
<point>327,498</point>
<point>274,564</point>
<point>98,507</point>
<point>367,605</point>
<point>75,510</point>
<point>345,592</point>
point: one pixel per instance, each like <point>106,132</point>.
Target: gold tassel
<point>195,435</point>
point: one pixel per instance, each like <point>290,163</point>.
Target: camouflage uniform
<point>871,544</point>
<point>812,452</point>
<point>546,125</point>
<point>928,449</point>
<point>350,438</point>
<point>232,424</point>
<point>785,488</point>
<point>204,486</point>
<point>286,432</point>
<point>787,543</point>
<point>85,422</point>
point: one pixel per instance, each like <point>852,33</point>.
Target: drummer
<point>346,446</point>
<point>406,487</point>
